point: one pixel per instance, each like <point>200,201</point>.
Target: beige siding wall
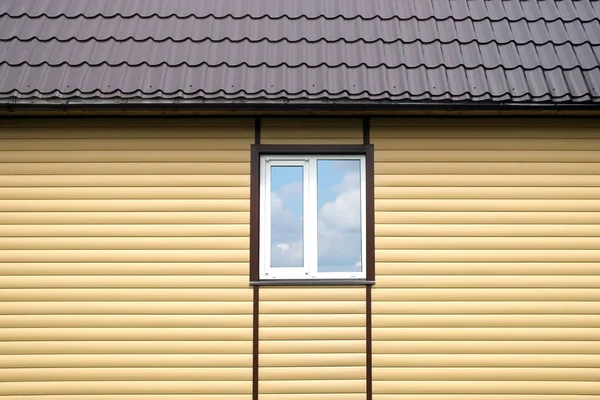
<point>124,259</point>
<point>312,131</point>
<point>312,343</point>
<point>312,340</point>
<point>488,261</point>
<point>124,264</point>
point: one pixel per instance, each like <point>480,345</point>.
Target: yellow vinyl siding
<point>487,238</point>
<point>312,342</point>
<point>312,339</point>
<point>124,259</point>
<point>311,131</point>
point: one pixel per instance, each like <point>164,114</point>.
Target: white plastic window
<point>312,217</point>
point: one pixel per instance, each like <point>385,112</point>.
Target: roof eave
<point>16,107</point>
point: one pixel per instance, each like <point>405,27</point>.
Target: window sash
<point>310,218</point>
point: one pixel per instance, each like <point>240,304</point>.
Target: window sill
<point>312,282</point>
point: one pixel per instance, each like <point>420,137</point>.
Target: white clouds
<point>286,232</point>
<point>283,247</point>
<point>339,227</point>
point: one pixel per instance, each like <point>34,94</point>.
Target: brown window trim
<point>256,151</point>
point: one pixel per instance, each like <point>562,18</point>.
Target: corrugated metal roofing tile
<point>576,32</point>
<point>576,82</point>
<point>586,58</point>
<point>513,10</point>
<point>593,80</point>
<point>555,31</point>
<point>566,10</point>
<point>459,50</point>
<point>536,82</point>
<point>549,11</point>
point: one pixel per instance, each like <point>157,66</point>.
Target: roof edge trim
<point>259,106</point>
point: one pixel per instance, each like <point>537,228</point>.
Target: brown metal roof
<point>518,51</point>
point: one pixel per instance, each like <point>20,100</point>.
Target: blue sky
<point>338,185</point>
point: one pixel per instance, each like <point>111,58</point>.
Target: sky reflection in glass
<point>339,215</point>
<point>286,216</point>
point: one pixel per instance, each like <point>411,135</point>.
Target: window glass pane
<point>339,216</point>
<point>286,216</point>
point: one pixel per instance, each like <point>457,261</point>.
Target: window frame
<point>257,208</point>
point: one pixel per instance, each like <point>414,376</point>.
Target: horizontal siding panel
<point>486,294</point>
<point>125,374</point>
<point>461,168</point>
<point>305,320</point>
<point>472,126</point>
<point>58,156</point>
<point>487,360</point>
<point>199,268</point>
<point>119,143</point>
<point>385,155</point>
<point>125,256</point>
<point>171,205</point>
<point>306,141</point>
<point>133,397</point>
<point>486,256</point>
<point>453,192</point>
<point>164,230</point>
<point>312,333</point>
<point>311,347</point>
<point>455,142</point>
<point>494,333</point>
<point>313,396</point>
<point>311,373</point>
<point>486,268</point>
<point>96,129</point>
<point>127,294</point>
<point>86,334</point>
<point>312,128</point>
<point>524,281</point>
<point>312,360</point>
<point>128,307</point>
<point>314,386</point>
<point>456,242</point>
<point>171,180</point>
<point>111,193</point>
<point>489,217</point>
<point>459,318</point>
<point>126,347</point>
<point>530,348</point>
<point>125,321</point>
<point>481,307</point>
<point>487,374</point>
<point>312,307</point>
<point>481,205</point>
<point>127,361</point>
<point>81,282</point>
<point>478,230</point>
<point>131,125</point>
<point>480,180</point>
<point>125,243</point>
<point>312,294</point>
<point>420,396</point>
<point>134,387</point>
<point>477,387</point>
<point>149,168</point>
<point>119,217</point>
